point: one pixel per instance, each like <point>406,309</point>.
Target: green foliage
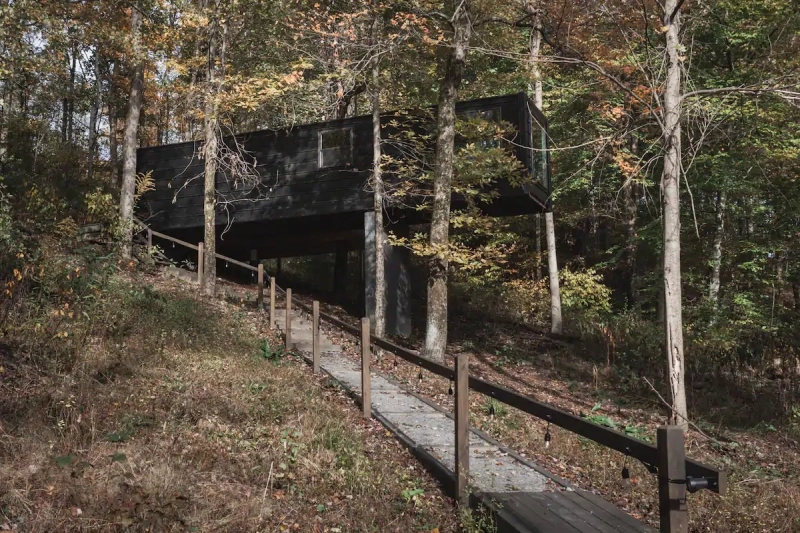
<point>492,407</point>
<point>275,354</point>
<point>585,291</point>
<point>412,495</point>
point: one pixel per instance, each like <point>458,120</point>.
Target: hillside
<point>176,414</point>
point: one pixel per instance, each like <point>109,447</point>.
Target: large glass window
<point>335,148</point>
<point>539,155</point>
<point>491,114</point>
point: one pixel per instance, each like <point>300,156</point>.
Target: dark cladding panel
<point>315,169</point>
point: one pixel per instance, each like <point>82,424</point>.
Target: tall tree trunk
<point>716,252</point>
<point>93,116</point>
<point>210,150</point>
<point>535,88</point>
<point>556,325</point>
<point>670,184</point>
<point>436,326</point>
<point>128,189</point>
<point>210,153</point>
<point>377,178</point>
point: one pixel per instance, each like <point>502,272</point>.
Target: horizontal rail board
<point>173,239</point>
<point>635,448</point>
<point>235,262</point>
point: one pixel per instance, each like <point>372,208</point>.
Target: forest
<point>666,262</point>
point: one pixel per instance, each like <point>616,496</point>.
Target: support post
<point>462,429</point>
<point>272,303</point>
<point>366,394</point>
<point>288,319</point>
<point>315,335</point>
<point>200,259</point>
<point>672,480</point>
<point>261,286</point>
<point>149,241</point>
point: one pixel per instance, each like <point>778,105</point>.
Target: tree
<point>550,232</point>
<point>453,72</point>
<point>670,185</point>
<point>378,194</point>
<point>129,137</point>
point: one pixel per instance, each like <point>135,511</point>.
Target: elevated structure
<point>306,190</point>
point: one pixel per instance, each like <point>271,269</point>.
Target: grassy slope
<point>170,421</point>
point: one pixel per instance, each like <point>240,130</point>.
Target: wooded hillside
<point>670,247</point>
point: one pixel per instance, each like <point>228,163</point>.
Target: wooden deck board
<point>567,511</point>
<point>592,518</point>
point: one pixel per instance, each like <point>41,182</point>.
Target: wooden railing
<point>677,474</point>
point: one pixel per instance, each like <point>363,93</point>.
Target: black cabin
<point>320,170</point>
<point>305,192</point>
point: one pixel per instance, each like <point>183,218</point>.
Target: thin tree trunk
<point>537,271</point>
<point>64,113</point>
<point>631,216</point>
<point>129,138</point>
<point>210,152</point>
<point>536,89</point>
<point>113,155</point>
<point>436,326</point>
<point>377,177</point>
<point>71,113</point>
<point>716,253</point>
<point>556,325</point>
<point>93,116</point>
<point>210,198</point>
<point>4,114</point>
<point>670,184</point>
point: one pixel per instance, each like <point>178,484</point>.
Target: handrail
<point>235,262</point>
<point>638,449</point>
<point>195,247</point>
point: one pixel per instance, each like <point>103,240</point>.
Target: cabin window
<point>335,148</point>
<point>539,163</point>
<point>491,114</point>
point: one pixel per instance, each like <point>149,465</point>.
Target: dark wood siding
<point>290,182</point>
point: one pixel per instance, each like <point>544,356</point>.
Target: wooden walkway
<point>523,496</point>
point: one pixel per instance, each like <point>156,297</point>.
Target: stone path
<point>523,496</point>
<point>491,469</point>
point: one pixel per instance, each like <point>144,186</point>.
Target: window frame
<point>320,133</point>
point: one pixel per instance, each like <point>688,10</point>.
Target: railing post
<point>149,241</point>
<point>366,393</point>
<point>288,318</point>
<point>315,335</point>
<point>672,480</point>
<point>462,429</point>
<point>261,286</point>
<point>272,303</point>
<point>200,259</point>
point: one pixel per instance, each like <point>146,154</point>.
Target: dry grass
<point>156,430</point>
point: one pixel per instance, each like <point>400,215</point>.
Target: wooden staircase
<point>302,337</point>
